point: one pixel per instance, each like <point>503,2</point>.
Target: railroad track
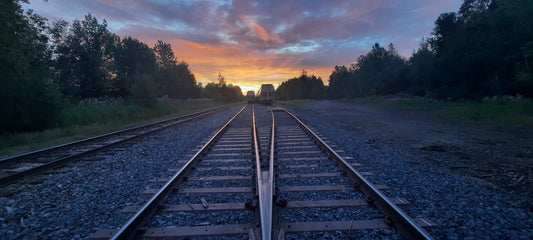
<point>21,166</point>
<point>265,175</point>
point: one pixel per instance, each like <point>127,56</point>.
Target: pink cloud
<point>250,41</point>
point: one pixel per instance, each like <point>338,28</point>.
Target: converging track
<point>265,175</point>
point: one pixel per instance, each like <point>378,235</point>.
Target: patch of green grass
<point>514,113</point>
<point>79,122</point>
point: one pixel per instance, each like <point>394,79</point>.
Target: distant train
<point>265,94</point>
<point>250,96</point>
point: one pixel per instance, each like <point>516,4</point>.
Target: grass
<point>81,122</point>
<point>508,111</point>
<point>295,103</point>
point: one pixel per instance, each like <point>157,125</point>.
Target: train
<point>265,94</point>
<point>250,96</point>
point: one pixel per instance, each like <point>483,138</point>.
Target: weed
<point>508,111</point>
<point>80,122</point>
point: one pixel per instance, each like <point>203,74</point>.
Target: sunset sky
<point>254,42</point>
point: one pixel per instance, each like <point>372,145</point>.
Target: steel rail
<point>265,183</point>
<point>58,162</point>
<point>393,214</point>
<point>271,166</point>
<point>141,217</point>
<point>31,154</point>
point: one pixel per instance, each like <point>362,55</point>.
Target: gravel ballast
<point>75,200</point>
<point>463,207</point>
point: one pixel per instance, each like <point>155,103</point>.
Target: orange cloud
<point>239,65</point>
<point>254,42</point>
<point>260,32</point>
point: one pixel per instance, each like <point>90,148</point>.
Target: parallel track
<point>21,166</point>
<point>281,203</point>
<point>337,185</point>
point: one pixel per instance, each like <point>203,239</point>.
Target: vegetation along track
<point>23,165</point>
<point>265,175</point>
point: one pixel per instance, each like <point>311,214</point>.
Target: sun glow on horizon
<point>251,80</point>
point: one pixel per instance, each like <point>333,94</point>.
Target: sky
<point>261,41</point>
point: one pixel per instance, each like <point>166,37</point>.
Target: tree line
<point>484,49</point>
<point>45,66</point>
<point>302,87</point>
<point>222,91</point>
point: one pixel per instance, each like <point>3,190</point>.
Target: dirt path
<point>498,156</point>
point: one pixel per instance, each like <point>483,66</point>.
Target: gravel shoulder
<point>474,180</point>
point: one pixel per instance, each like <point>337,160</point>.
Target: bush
<point>85,115</point>
<point>143,90</point>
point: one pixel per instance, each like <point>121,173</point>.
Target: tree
<point>221,91</point>
<point>143,90</point>
<point>303,87</point>
<point>28,96</point>
<point>133,58</point>
<point>380,71</point>
<point>175,79</point>
<point>479,50</point>
<point>421,70</point>
<point>485,49</point>
<point>182,83</point>
<point>165,55</point>
<point>165,62</point>
<point>85,59</point>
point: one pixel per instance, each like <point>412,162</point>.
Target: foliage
<point>165,55</point>
<point>380,71</point>
<point>507,110</point>
<point>75,116</point>
<point>133,59</point>
<point>421,71</point>
<point>78,122</point>
<point>221,91</point>
<point>303,87</point>
<point>42,64</point>
<point>143,91</point>
<point>340,83</point>
<point>182,84</point>
<point>28,95</point>
<point>485,49</point>
<point>84,59</point>
<point>175,79</point>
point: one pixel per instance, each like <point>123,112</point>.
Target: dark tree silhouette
<point>485,49</point>
<point>28,95</point>
<point>303,87</point>
<point>174,79</point>
<point>380,71</point>
<point>85,59</point>
<point>221,91</point>
<point>133,59</point>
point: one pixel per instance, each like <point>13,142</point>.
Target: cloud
<point>261,33</point>
<point>255,41</point>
